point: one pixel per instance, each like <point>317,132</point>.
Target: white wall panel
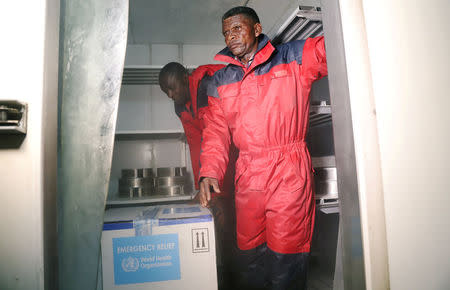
<point>28,72</point>
<point>134,108</point>
<point>194,55</point>
<point>164,53</point>
<point>162,114</point>
<point>137,54</point>
<point>408,59</point>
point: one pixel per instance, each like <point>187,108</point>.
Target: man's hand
<point>195,200</point>
<point>207,185</point>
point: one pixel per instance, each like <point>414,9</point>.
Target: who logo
<point>130,264</point>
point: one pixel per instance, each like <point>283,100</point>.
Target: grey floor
<point>323,252</point>
<point>319,278</point>
<point>322,258</point>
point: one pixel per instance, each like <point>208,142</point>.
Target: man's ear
<point>258,29</point>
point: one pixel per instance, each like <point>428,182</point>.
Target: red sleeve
<point>314,59</point>
<point>193,137</point>
<point>215,143</point>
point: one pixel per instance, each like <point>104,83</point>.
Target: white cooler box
<point>159,247</point>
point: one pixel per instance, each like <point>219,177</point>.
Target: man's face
<point>240,33</point>
<point>177,89</point>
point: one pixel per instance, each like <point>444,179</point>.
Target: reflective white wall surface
<point>28,73</point>
<point>407,52</point>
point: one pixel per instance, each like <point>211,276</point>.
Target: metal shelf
<point>323,161</point>
<point>143,74</point>
<point>306,21</point>
<point>319,114</point>
<point>327,196</point>
<point>149,134</point>
<point>147,200</point>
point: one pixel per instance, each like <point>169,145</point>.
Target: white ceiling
<point>198,21</point>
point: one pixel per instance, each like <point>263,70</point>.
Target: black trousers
<point>261,268</point>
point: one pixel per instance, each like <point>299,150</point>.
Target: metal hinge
<point>13,117</point>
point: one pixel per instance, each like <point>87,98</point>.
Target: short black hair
<point>247,11</point>
<point>172,69</point>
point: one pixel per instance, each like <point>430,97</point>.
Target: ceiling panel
<point>197,21</point>
<point>177,21</point>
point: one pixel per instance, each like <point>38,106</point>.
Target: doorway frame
<point>362,248</point>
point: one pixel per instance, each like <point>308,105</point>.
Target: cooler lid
<point>156,212</point>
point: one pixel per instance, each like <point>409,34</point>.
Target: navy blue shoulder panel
<point>284,53</point>
<point>202,91</point>
<point>227,75</point>
<point>179,109</point>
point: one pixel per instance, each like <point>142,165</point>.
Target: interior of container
<point>150,135</point>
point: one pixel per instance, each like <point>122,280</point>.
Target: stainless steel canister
<point>326,181</point>
<point>170,181</point>
<point>135,192</point>
<point>170,171</point>
<point>136,182</point>
<point>170,190</point>
<point>137,172</point>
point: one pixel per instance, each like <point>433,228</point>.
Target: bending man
<point>191,102</point>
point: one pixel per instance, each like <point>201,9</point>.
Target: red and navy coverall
<point>190,113</point>
<point>264,108</point>
<point>191,116</point>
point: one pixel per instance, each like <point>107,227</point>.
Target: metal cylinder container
<point>326,181</point>
<point>170,181</point>
<point>136,182</point>
<point>326,173</point>
<point>170,190</point>
<point>135,191</point>
<point>170,171</point>
<point>137,172</point>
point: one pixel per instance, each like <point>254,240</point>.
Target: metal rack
<point>304,22</point>
<point>326,183</point>
<point>319,114</point>
<point>149,75</point>
<point>152,135</point>
<point>149,134</point>
<point>143,74</point>
<point>146,200</point>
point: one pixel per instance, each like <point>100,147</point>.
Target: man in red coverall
<point>188,93</point>
<point>260,101</point>
<point>191,102</point>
